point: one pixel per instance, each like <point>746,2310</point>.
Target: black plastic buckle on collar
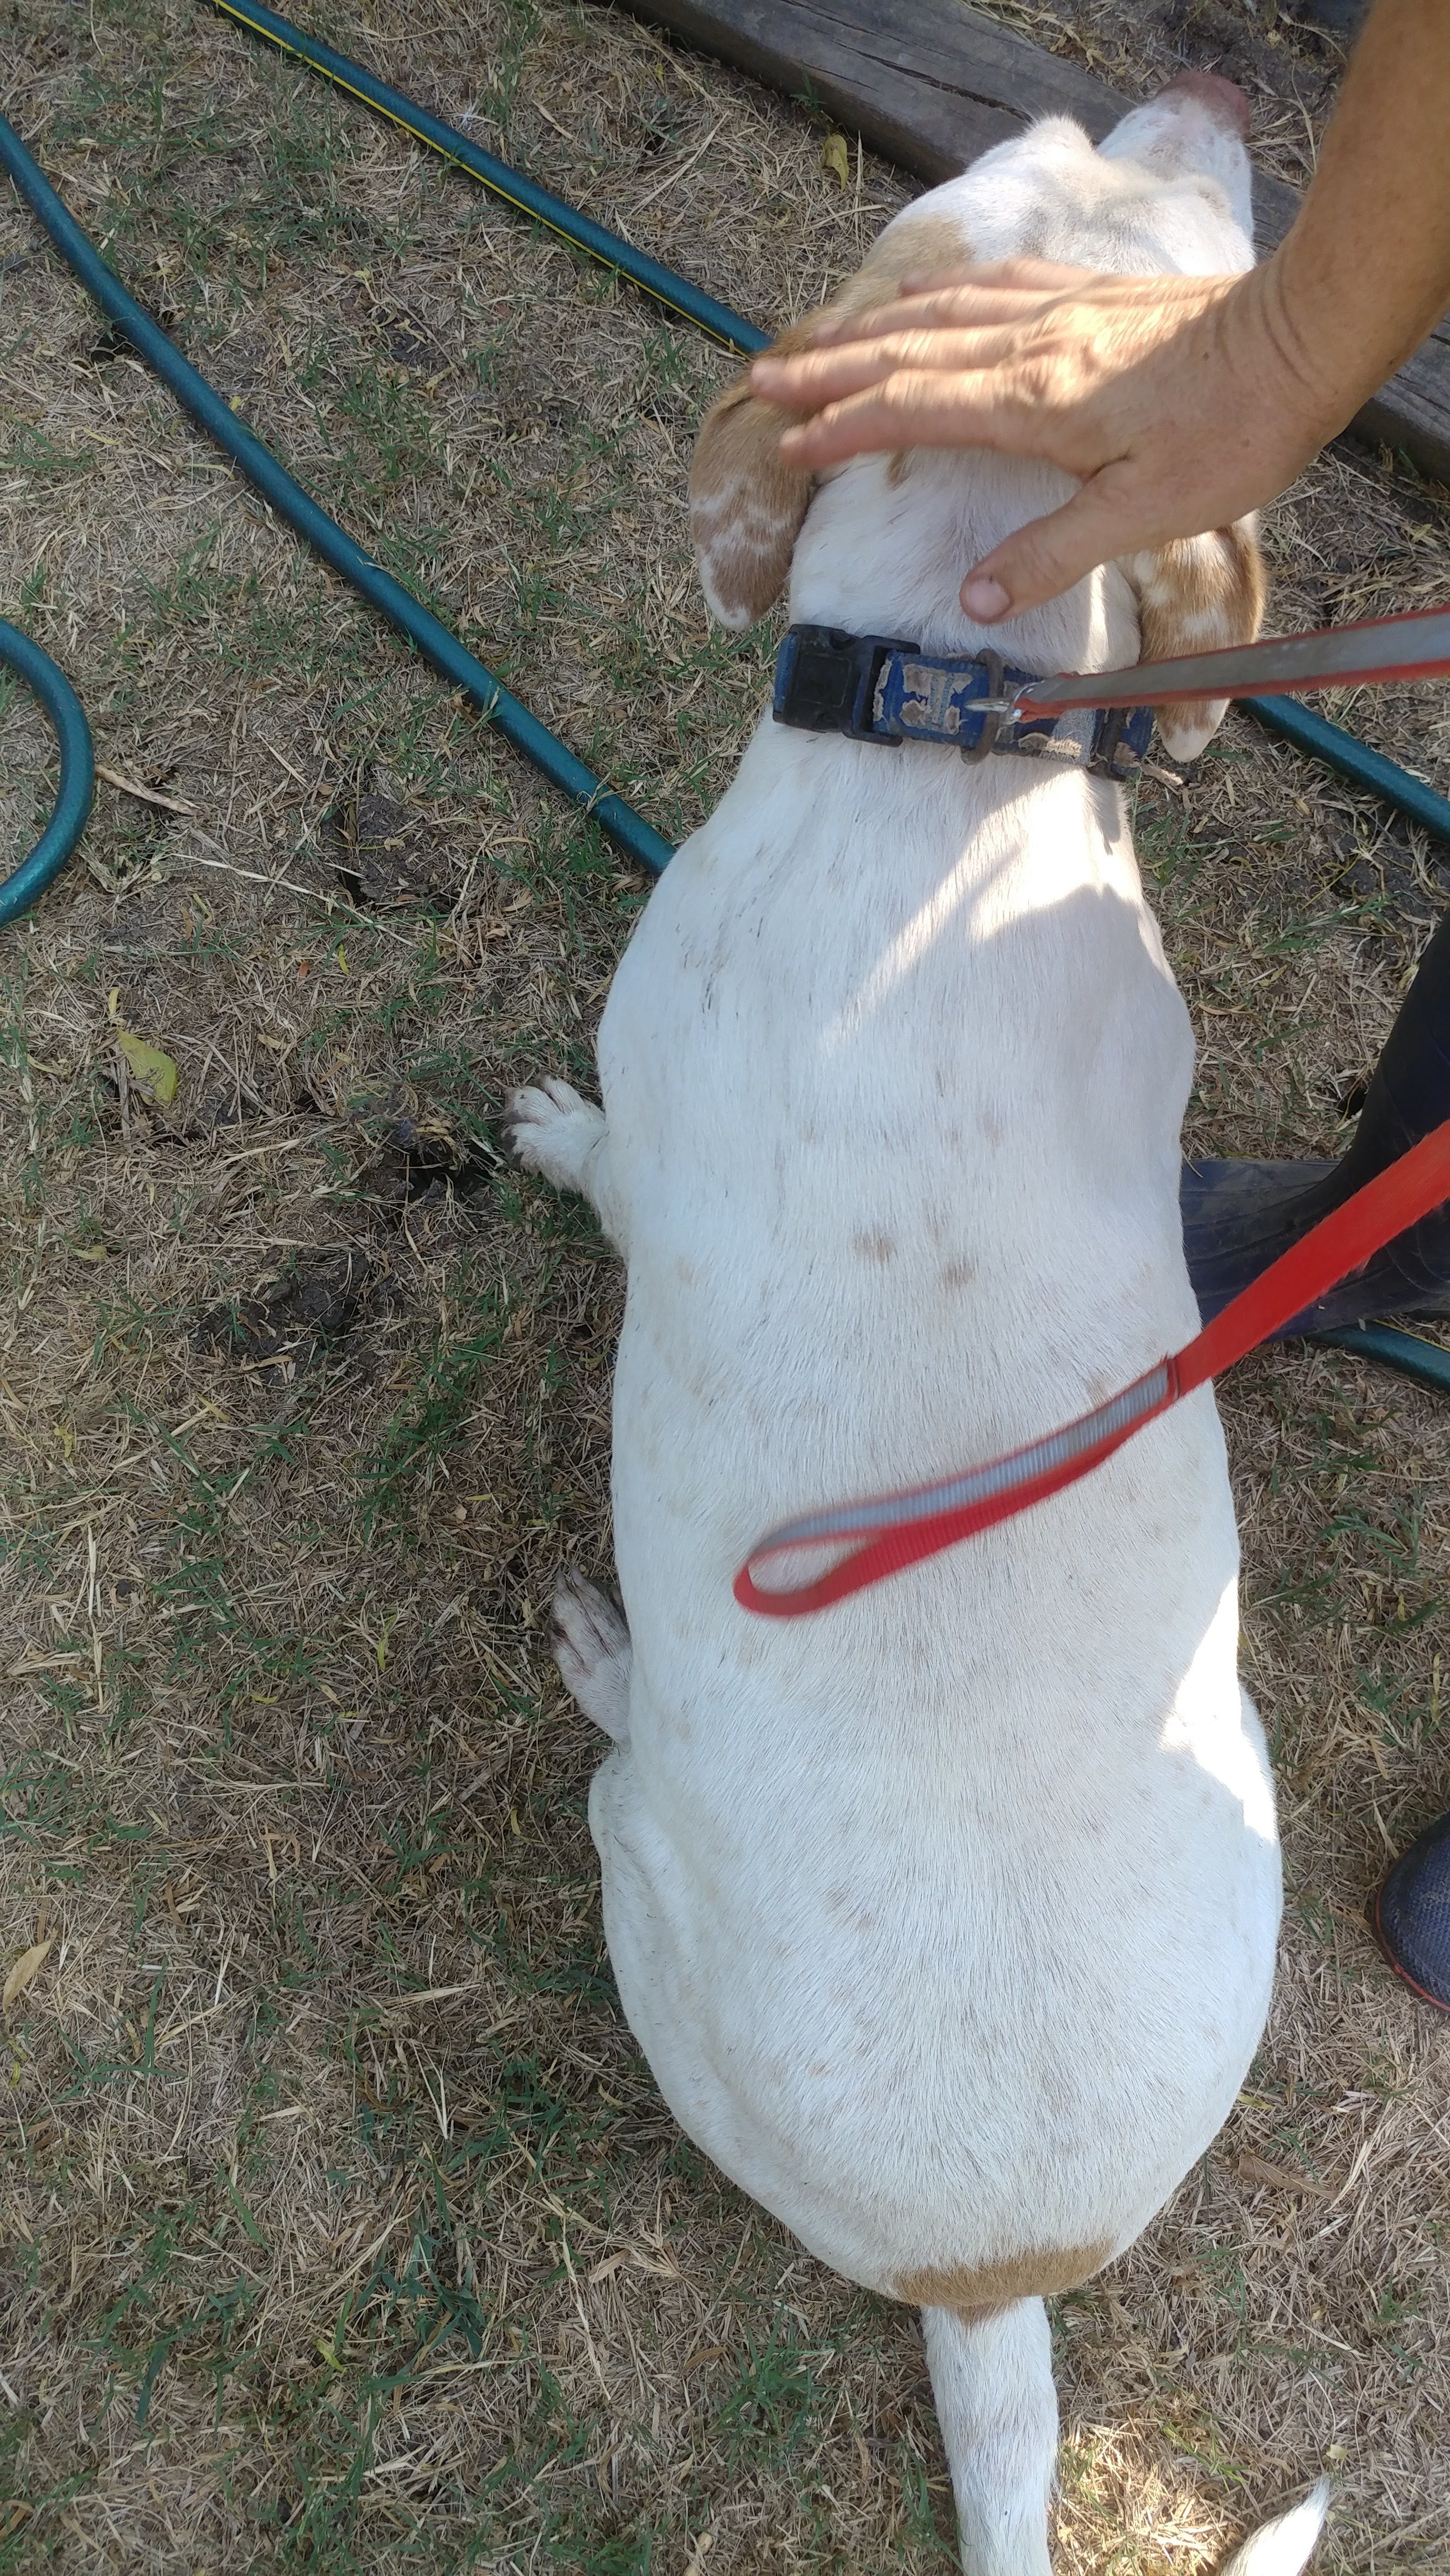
<point>825,682</point>
<point>1121,742</point>
<point>1104,761</point>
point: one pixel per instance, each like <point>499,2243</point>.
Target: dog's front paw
<point>549,1128</point>
<point>592,1650</point>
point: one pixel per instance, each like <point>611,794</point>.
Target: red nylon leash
<point>897,1530</point>
<point>894,1530</point>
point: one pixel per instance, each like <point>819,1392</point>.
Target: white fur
<point>945,1919</point>
<point>1281,2547</point>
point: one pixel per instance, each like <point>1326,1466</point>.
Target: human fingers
<point>1051,554</point>
<point>919,407</point>
<point>942,308</point>
<point>829,375</point>
<point>1072,348</point>
<point>1046,306</point>
<point>979,304</point>
<point>908,323</point>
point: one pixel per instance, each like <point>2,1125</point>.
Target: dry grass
<point>1288,65</point>
<point>344,2229</point>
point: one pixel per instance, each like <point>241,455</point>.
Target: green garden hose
<point>1309,733</point>
<point>1355,761</point>
<point>675,293</point>
<point>261,468</point>
<point>1406,1352</point>
<point>1427,1362</point>
<point>77,772</point>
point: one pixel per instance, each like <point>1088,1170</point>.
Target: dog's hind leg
<point>991,2376</point>
<point>552,1129</point>
<point>593,1653</point>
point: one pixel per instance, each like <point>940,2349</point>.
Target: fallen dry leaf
<point>836,157</point>
<point>1258,2171</point>
<point>152,1071</point>
<point>27,1967</point>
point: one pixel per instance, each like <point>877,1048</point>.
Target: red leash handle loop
<point>896,1530</point>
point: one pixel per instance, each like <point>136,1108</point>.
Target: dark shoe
<point>1341,17</point>
<point>1410,1915</point>
<point>1238,1217</point>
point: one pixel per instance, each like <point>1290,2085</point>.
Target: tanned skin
<point>1180,403</point>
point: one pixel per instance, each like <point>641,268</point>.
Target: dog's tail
<point>1283,2546</point>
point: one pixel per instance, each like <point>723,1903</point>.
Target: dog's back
<point>902,1189</point>
<point>946,1920</point>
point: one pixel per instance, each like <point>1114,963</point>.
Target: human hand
<point>1180,403</point>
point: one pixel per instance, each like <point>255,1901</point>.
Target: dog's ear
<point>746,506</point>
<point>1195,596</point>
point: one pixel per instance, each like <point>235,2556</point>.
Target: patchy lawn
<point>344,2227</point>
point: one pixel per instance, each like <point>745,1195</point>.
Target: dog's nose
<point>1224,99</point>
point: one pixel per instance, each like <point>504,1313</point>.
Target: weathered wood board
<point>931,83</point>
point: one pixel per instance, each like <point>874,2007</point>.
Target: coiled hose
<point>27,883</point>
<point>1408,795</point>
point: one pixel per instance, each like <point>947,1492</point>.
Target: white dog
<point>945,1918</point>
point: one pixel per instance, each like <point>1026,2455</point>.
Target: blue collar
<point>875,690</point>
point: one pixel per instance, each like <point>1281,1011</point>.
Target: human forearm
<point>1365,271</point>
<point>1178,403</point>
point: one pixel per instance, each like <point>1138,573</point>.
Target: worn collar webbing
<point>876,689</point>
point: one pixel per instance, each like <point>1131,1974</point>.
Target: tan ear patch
<point>1197,595</point>
<point>971,2291</point>
<point>746,506</point>
<point>908,249</point>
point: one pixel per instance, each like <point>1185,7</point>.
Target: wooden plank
<point>931,83</point>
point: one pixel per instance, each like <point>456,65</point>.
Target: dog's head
<point>1168,189</point>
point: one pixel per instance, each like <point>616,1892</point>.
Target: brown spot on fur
<point>746,506</point>
<point>1197,595</point>
<point>1224,99</point>
<point>874,1247</point>
<point>898,467</point>
<point>959,1274</point>
<point>970,2289</point>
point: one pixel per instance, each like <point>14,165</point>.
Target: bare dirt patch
<point>344,2227</point>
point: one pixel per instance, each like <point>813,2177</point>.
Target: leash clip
<point>995,709</point>
<point>881,689</point>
